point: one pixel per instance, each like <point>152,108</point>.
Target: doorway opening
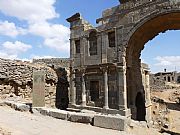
<point>94,92</point>
<point>140,107</point>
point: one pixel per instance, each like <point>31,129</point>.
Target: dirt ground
<point>24,123</point>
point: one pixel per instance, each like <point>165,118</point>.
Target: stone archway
<point>145,30</point>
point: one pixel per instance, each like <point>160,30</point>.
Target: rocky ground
<point>171,98</point>
<point>4,132</point>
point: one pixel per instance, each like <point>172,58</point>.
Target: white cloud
<point>55,36</point>
<point>29,10</point>
<point>169,62</point>
<point>57,44</point>
<point>16,48</point>
<point>12,50</point>
<point>9,29</point>
<point>47,30</point>
<point>37,13</point>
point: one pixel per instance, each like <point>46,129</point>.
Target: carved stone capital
<point>82,70</point>
<point>104,69</point>
<point>121,68</point>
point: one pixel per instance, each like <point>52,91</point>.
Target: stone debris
<point>175,97</point>
<point>18,106</point>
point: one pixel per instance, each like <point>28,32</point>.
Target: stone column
<point>72,87</point>
<point>121,72</point>
<point>83,89</point>
<point>106,105</point>
<point>148,98</point>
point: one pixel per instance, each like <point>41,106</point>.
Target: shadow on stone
<point>62,99</point>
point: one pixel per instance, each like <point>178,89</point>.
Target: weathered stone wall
<point>16,78</point>
<point>54,62</point>
<point>164,80</point>
<point>156,83</point>
<point>160,113</point>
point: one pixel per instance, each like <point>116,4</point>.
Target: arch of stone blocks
<point>146,29</point>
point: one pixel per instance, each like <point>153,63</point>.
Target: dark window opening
<point>77,44</point>
<point>169,79</point>
<point>164,78</point>
<point>92,43</point>
<point>111,38</point>
<point>178,79</point>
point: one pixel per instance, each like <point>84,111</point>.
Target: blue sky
<point>38,29</point>
<point>163,52</point>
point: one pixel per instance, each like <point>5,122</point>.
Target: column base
<point>83,104</point>
<point>125,112</point>
<point>70,105</point>
<point>148,116</point>
<point>106,107</point>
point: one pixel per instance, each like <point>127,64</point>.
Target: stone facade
<point>105,60</point>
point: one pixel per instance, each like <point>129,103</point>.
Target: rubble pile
<point>175,97</point>
<point>160,113</point>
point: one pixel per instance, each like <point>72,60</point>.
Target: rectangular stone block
<point>38,89</point>
<point>111,122</point>
<point>44,112</point>
<point>81,117</point>
<point>22,107</point>
<point>59,114</point>
<point>40,110</point>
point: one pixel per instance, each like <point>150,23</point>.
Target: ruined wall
<point>160,113</point>
<point>16,79</point>
<point>164,80</point>
<point>156,83</point>
<point>54,62</point>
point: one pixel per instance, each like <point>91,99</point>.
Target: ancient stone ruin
<point>165,80</point>
<point>104,73</point>
<point>105,70</point>
<point>16,80</point>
